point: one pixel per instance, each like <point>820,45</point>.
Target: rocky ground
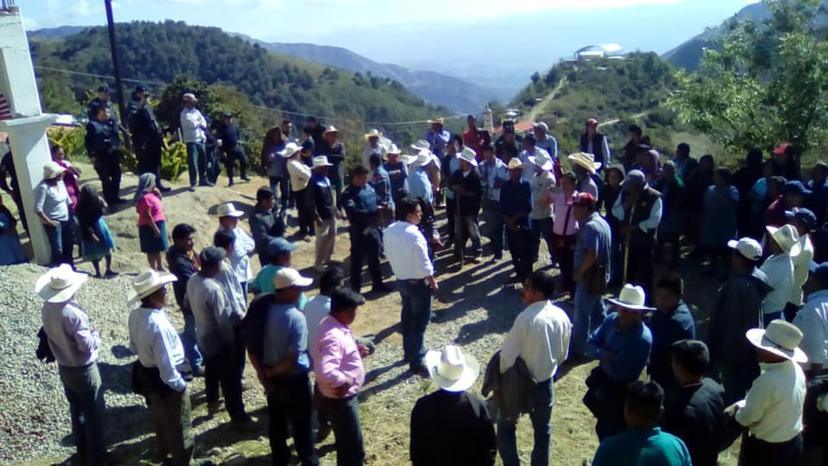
<point>473,309</point>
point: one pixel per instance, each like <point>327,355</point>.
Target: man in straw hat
<point>452,427</point>
<point>466,185</point>
<point>324,211</point>
<point>638,209</point>
<point>622,345</point>
<point>516,204</point>
<point>194,134</point>
<point>542,181</point>
<point>772,409</point>
<point>157,374</point>
<point>437,137</point>
<point>75,345</point>
<point>585,167</point>
<point>397,168</point>
<point>335,151</point>
<point>540,337</point>
<point>737,308</point>
<point>493,173</point>
<point>778,267</point>
<point>374,144</point>
<point>282,364</point>
<point>243,248</point>
<point>54,209</point>
<point>595,143</point>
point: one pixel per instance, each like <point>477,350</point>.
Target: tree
<point>170,105</point>
<point>768,83</point>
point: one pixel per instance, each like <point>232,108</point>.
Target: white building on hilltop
<point>592,52</point>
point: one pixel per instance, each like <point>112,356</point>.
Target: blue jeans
<point>589,314</point>
<point>189,341</point>
<point>543,395</point>
<point>343,414</point>
<point>61,242</point>
<point>416,312</point>
<point>82,386</point>
<point>197,162</point>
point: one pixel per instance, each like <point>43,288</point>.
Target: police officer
<point>362,206</point>
<point>146,134</point>
<point>103,99</point>
<point>231,148</point>
<point>104,147</point>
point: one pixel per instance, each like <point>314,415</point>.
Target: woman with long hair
<point>276,166</point>
<point>96,241</point>
<point>152,225</point>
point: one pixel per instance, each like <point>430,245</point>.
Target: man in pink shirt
<point>340,375</point>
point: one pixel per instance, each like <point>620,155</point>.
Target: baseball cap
<point>582,199</point>
<point>277,246</point>
<point>287,278</point>
<point>803,215</point>
<point>749,248</point>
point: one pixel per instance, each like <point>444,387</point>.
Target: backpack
<point>253,324</point>
<point>43,351</point>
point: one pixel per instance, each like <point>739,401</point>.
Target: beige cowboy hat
<point>469,155</point>
<point>287,277</point>
<point>787,238</point>
<point>189,97</point>
<point>436,121</point>
<point>515,164</point>
<point>321,161</point>
<point>585,160</point>
<point>52,170</point>
<point>148,283</point>
<point>392,149</point>
<point>330,129</point>
<point>542,160</point>
<point>59,284</point>
<point>631,298</point>
<point>452,370</point>
<point>780,338</point>
<point>372,133</point>
<point>290,149</point>
<point>422,159</point>
<point>421,144</point>
<point>229,210</point>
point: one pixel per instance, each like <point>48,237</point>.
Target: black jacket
<point>452,429</point>
<point>230,137</point>
<point>183,268</point>
<point>512,389</point>
<point>322,197</point>
<point>142,124</point>
<point>696,416</point>
<point>470,201</point>
<point>102,139</point>
<point>264,226</point>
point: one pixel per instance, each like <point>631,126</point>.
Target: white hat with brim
<point>631,298</point>
<point>59,284</point>
<point>148,283</point>
<point>420,145</point>
<point>52,170</point>
<point>542,160</point>
<point>321,161</point>
<point>780,338</point>
<point>787,238</point>
<point>290,149</point>
<point>515,164</point>
<point>288,278</point>
<point>392,149</point>
<point>229,210</point>
<point>451,370</point>
<point>421,159</point>
<point>586,161</point>
<point>330,129</point>
<point>374,133</point>
<point>468,155</point>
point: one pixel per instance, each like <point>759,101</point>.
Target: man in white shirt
<point>782,244</point>
<point>157,373</point>
<point>530,151</point>
<point>244,246</point>
<point>407,252</point>
<point>772,410</point>
<point>542,182</point>
<point>812,321</point>
<point>540,337</point>
<point>193,132</point>
<point>804,221</point>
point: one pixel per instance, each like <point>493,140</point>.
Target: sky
<point>498,43</point>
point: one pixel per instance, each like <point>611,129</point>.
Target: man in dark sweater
<point>451,426</point>
<point>183,263</point>
<point>695,413</point>
<point>362,205</point>
<point>103,144</point>
<point>146,135</point>
<point>465,183</point>
<point>670,323</point>
<point>231,148</point>
<point>264,224</point>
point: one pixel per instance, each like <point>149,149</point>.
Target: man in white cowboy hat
<point>585,167</point>
<point>449,165</point>
<point>772,409</point>
<point>466,185</point>
<point>283,366</point>
<point>540,337</point>
<point>335,151</point>
<point>622,345</point>
<point>783,245</point>
<point>54,209</point>
<point>737,308</point>
<point>194,135</point>
<point>381,183</point>
<point>75,346</point>
<point>243,248</point>
<point>493,174</point>
<point>300,174</point>
<point>374,145</point>
<point>593,142</point>
<point>516,204</point>
<point>437,137</point>
<point>638,208</point>
<point>452,427</point>
<point>542,181</point>
<point>398,172</point>
<point>531,150</point>
<point>157,374</point>
<point>324,211</point>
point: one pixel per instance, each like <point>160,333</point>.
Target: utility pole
<point>116,63</point>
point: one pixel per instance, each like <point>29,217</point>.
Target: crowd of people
<point>608,222</point>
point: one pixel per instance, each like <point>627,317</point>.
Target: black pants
<point>230,157</point>
<point>149,158</point>
<point>290,401</point>
<point>18,201</point>
<point>365,247</point>
<point>108,168</point>
<point>640,264</point>
<point>451,209</point>
<point>222,369</point>
<point>519,249</point>
<point>757,452</point>
<point>673,251</point>
<point>304,210</point>
<point>343,415</point>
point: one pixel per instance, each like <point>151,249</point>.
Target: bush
<point>71,139</point>
<point>173,159</point>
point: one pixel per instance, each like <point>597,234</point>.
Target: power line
<point>99,76</point>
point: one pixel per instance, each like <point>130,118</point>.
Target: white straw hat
<point>780,338</point>
<point>420,145</point>
<point>52,170</point>
<point>787,238</point>
<point>290,149</point>
<point>451,369</point>
<point>631,298</point>
<point>148,283</point>
<point>585,160</point>
<point>321,161</point>
<point>373,133</point>
<point>331,129</point>
<point>542,160</point>
<point>229,210</point>
<point>59,284</point>
<point>469,155</point>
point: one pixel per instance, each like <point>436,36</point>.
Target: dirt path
<point>538,109</point>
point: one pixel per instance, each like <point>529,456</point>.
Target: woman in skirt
<point>152,228</point>
<point>96,240</point>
